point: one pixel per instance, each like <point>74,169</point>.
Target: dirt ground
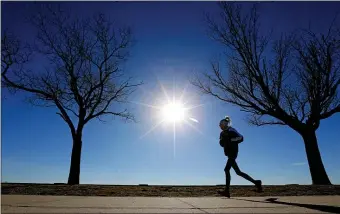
<point>164,191</point>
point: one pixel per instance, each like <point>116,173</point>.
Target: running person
<point>229,140</point>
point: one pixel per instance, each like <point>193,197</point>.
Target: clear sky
<point>171,45</point>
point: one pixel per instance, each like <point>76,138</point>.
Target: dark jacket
<point>229,140</point>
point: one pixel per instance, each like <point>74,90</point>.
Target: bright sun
<point>173,112</point>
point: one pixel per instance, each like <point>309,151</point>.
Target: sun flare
<point>173,112</point>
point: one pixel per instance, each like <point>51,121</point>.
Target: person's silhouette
<point>229,140</point>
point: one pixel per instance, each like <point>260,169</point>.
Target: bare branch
<point>297,84</point>
<point>258,121</point>
<point>84,77</point>
<point>330,113</point>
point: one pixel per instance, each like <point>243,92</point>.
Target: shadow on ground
<point>322,208</point>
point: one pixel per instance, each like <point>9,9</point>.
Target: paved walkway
<point>77,204</point>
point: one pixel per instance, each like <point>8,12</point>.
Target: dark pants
<point>232,163</point>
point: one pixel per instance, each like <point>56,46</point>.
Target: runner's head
<point>225,123</point>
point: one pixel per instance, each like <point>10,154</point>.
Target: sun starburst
<point>172,111</point>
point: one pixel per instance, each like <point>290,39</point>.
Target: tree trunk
<point>316,167</point>
<point>74,174</point>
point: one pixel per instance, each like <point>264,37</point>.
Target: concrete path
<point>77,204</point>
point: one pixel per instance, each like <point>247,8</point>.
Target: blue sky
<point>171,46</point>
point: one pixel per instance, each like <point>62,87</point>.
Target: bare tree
<point>83,79</point>
<point>292,81</point>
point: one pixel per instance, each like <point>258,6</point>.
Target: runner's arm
<point>234,135</point>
